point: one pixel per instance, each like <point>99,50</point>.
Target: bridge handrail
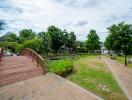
<point>1,52</point>
<point>34,56</point>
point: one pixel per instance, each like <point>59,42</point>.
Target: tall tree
<point>70,39</point>
<point>120,38</point>
<point>57,37</point>
<point>41,35</point>
<point>26,34</point>
<point>93,41</point>
<point>9,37</point>
<point>80,46</point>
<point>47,43</point>
<point>109,43</point>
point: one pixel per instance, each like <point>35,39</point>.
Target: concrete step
<point>45,87</point>
<point>20,76</point>
<point>17,68</point>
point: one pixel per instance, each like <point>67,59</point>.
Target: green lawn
<point>90,73</point>
<point>121,60</point>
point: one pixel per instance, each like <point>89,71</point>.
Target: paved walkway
<point>122,74</point>
<point>45,87</point>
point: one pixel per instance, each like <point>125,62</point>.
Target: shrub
<point>61,67</point>
<point>34,44</point>
<point>18,48</point>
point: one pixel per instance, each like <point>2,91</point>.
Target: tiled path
<point>122,74</point>
<point>45,87</point>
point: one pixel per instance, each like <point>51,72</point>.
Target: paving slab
<point>45,87</point>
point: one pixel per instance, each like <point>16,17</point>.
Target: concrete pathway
<point>45,87</point>
<point>122,74</point>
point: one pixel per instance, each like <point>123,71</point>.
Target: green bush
<point>61,67</point>
<point>34,44</point>
<point>18,48</point>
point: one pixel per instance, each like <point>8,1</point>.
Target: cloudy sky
<point>74,15</point>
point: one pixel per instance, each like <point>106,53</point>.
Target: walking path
<point>45,87</point>
<point>122,74</point>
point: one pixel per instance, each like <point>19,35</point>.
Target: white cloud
<point>74,15</point>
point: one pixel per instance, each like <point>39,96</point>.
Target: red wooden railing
<point>34,56</point>
<point>1,52</point>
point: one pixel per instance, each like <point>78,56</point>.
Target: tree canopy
<point>57,40</point>
<point>26,34</point>
<point>93,41</point>
<point>119,38</point>
<point>47,42</point>
<point>61,38</point>
<point>9,37</point>
<point>56,36</point>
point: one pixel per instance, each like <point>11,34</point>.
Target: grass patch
<point>61,67</point>
<point>121,59</point>
<point>90,73</point>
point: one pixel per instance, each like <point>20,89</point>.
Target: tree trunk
<point>125,59</point>
<point>87,50</point>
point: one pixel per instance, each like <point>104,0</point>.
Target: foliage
<point>13,46</point>
<point>53,40</point>
<point>9,37</point>
<point>109,42</point>
<point>61,39</point>
<point>80,44</point>
<point>61,67</point>
<point>80,47</point>
<point>119,38</point>
<point>18,48</point>
<point>34,44</point>
<point>26,34</point>
<point>57,37</point>
<point>40,35</point>
<point>47,43</point>
<point>93,42</point>
<point>69,39</point>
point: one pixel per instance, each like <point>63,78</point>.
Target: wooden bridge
<point>16,68</point>
<point>28,69</point>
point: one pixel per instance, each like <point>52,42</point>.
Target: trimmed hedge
<point>61,67</point>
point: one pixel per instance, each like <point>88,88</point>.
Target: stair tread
<point>17,68</point>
